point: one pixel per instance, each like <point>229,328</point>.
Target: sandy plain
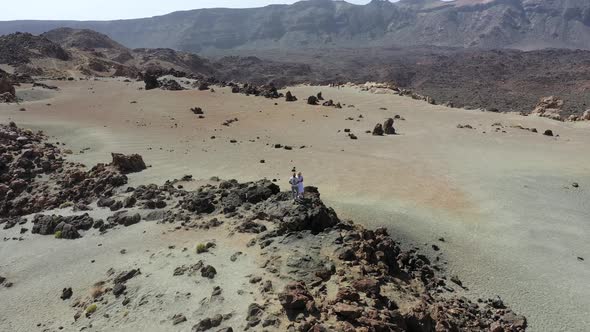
<point>503,200</point>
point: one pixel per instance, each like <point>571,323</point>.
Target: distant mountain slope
<point>506,80</point>
<point>82,39</point>
<point>525,24</point>
<point>66,51</point>
<point>19,48</point>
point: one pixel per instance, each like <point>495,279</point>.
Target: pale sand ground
<point>41,266</point>
<point>503,201</point>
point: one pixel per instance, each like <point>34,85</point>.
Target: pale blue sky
<point>116,9</point>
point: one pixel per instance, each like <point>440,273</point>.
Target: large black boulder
<point>312,100</point>
<point>151,81</point>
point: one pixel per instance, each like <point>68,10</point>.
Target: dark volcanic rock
<point>312,100</point>
<point>68,226</point>
<point>208,272</point>
<point>310,214</point>
<point>66,293</point>
<point>66,231</point>
<point>197,110</point>
<point>151,81</point>
<point>125,219</point>
<point>254,314</point>
<point>199,202</point>
<point>378,130</point>
<point>296,298</point>
<point>289,97</point>
<point>118,289</point>
<point>171,85</point>
<point>128,163</point>
<point>126,275</point>
<point>388,127</point>
<point>105,202</point>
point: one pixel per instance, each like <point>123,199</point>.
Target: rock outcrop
<point>7,91</point>
<point>549,107</point>
<point>35,177</point>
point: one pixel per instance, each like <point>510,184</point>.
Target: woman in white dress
<point>300,184</point>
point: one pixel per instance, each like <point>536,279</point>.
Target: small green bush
<point>201,248</point>
<point>58,235</point>
<point>66,205</point>
<point>91,308</point>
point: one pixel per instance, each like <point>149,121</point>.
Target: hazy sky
<point>116,9</point>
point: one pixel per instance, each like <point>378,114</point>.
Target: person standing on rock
<point>300,187</point>
<point>294,182</point>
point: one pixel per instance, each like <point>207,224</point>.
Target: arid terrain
<point>145,165</point>
<point>503,80</point>
<point>500,208</point>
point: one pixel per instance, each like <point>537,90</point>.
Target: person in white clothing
<point>294,182</point>
<point>300,187</point>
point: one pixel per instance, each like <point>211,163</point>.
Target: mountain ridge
<point>520,24</point>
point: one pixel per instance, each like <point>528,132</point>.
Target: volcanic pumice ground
<point>500,196</point>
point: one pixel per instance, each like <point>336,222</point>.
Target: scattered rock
<point>254,314</point>
<point>456,280</point>
<point>126,275</point>
<point>460,126</point>
<point>378,130</point>
<point>178,318</point>
<point>208,272</point>
<point>66,293</point>
<point>289,97</point>
<point>296,298</point>
<point>118,289</point>
<point>388,127</point>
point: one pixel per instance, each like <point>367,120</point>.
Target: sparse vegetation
<point>58,235</point>
<point>91,308</point>
<point>201,248</point>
